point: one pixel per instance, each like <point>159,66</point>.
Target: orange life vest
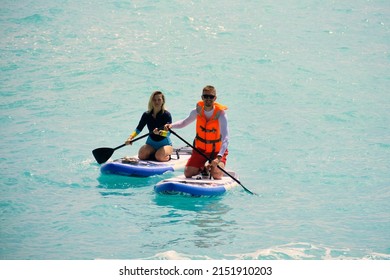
<point>208,134</point>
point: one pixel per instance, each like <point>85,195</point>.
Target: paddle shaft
<point>206,157</point>
<point>121,146</point>
<point>136,139</point>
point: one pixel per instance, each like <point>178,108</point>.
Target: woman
<point>158,142</point>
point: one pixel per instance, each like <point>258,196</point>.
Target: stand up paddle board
<point>197,185</point>
<point>133,166</point>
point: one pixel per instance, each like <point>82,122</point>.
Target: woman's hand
<point>163,133</point>
<point>129,140</point>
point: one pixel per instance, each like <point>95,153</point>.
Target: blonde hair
<point>150,104</point>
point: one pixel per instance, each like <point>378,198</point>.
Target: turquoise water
<point>307,85</point>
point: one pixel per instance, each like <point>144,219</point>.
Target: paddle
<point>103,154</point>
<point>224,171</point>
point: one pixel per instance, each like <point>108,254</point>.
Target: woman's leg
<point>145,152</point>
<point>163,154</point>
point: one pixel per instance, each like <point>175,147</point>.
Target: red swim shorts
<point>198,161</point>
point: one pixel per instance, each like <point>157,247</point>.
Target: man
<point>212,135</point>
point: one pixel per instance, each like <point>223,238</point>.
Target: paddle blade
<point>102,154</point>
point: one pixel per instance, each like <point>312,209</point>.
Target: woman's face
<point>158,101</point>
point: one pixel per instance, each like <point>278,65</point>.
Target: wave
<point>291,251</point>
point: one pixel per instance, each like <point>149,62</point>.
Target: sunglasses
<point>208,96</point>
